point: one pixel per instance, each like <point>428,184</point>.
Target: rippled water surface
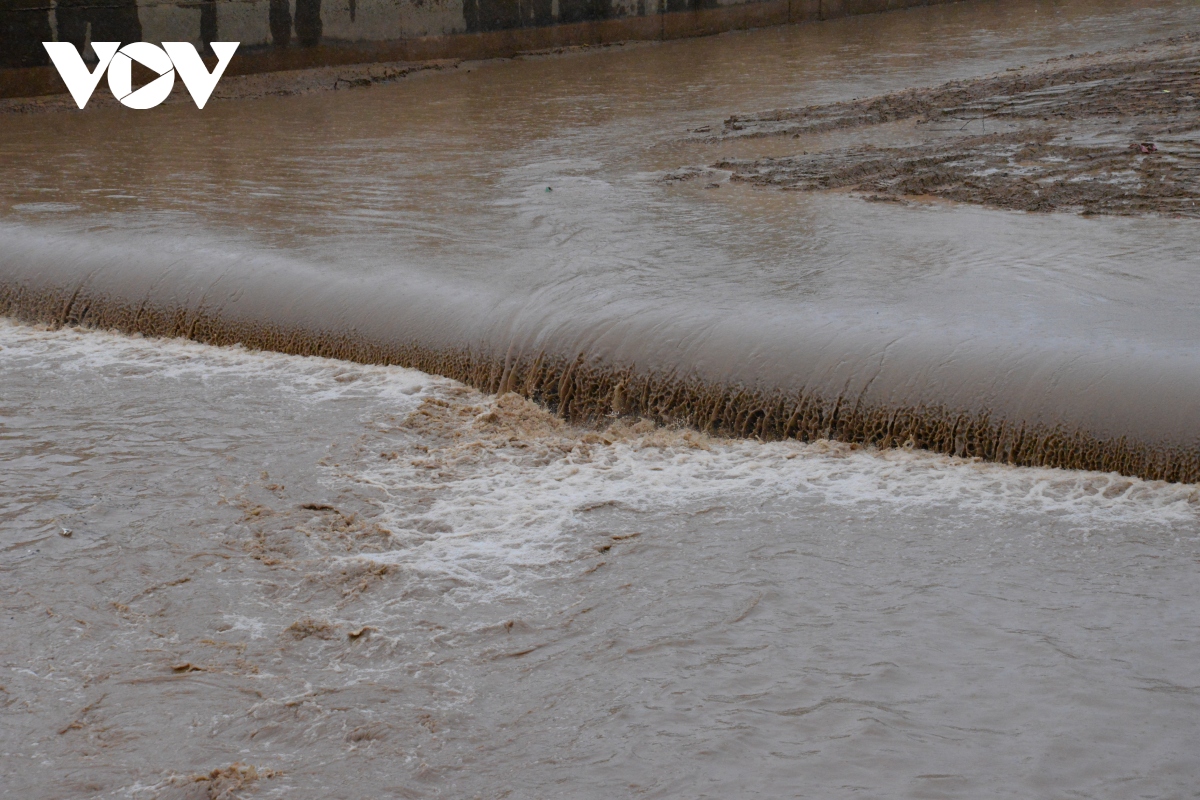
<point>378,583</point>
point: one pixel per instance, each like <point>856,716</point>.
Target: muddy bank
<point>1106,133</point>
<point>284,83</point>
<point>294,82</point>
<point>308,34</point>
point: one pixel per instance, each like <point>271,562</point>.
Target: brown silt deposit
<point>1106,133</point>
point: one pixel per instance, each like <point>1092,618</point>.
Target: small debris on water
<point>303,628</point>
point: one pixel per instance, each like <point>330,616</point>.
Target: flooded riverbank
<point>273,573</point>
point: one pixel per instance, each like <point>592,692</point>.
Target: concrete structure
<point>293,34</point>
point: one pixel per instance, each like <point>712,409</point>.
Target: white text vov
<point>172,57</point>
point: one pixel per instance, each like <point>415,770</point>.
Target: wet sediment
<point>586,388</point>
<point>1106,133</point>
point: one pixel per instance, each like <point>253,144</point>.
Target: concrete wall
<point>293,34</point>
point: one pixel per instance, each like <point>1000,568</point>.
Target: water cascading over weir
<point>768,371</point>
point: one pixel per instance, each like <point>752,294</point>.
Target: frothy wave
<point>504,482</point>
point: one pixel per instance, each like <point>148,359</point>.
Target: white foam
<point>508,517</point>
<point>255,627</point>
<point>305,377</point>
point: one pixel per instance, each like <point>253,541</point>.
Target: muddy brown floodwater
<point>426,439</point>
